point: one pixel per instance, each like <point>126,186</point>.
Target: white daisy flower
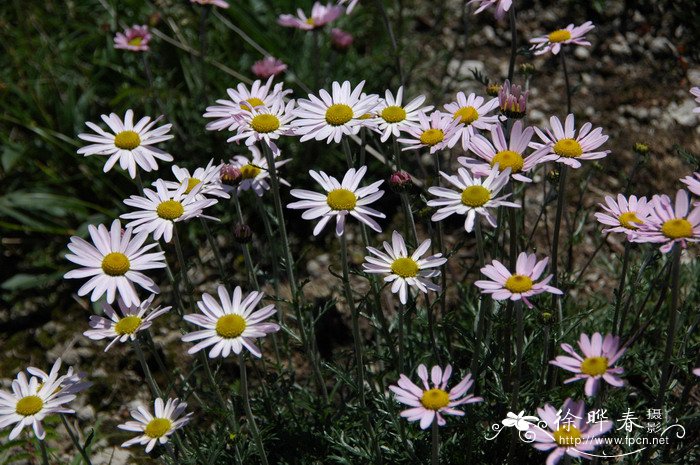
<point>254,171</point>
<point>123,327</point>
<point>266,124</point>
<point>394,118</point>
<point>342,199</point>
<point>114,263</point>
<point>73,381</point>
<point>436,132</point>
<point>472,112</point>
<point>129,144</point>
<point>333,115</point>
<point>553,41</point>
<point>231,323</point>
<point>227,113</point>
<point>158,210</point>
<point>208,179</point>
<point>156,428</point>
<point>405,271</point>
<point>474,196</point>
<point>561,144</point>
<point>31,400</point>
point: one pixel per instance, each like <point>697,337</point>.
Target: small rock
<point>582,53</point>
<point>113,456</point>
<point>683,113</point>
<point>661,46</point>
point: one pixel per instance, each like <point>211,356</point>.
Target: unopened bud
<point>527,69</point>
<point>230,175</point>
<point>400,182</point>
<point>546,317</point>
<point>493,89</point>
<point>641,148</point>
<point>553,176</point>
<point>242,233</point>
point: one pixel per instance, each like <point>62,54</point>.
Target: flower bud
<point>242,233</point>
<point>400,182</point>
<point>341,40</point>
<point>230,174</point>
<point>493,89</point>
<point>553,176</point>
<point>640,148</point>
<point>512,101</point>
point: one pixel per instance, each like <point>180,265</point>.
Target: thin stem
<point>203,46</point>
<point>392,38</point>
<point>484,302</point>
<point>513,44</point>
<point>519,341</point>
<point>402,323</point>
<point>215,250</point>
<point>75,441</point>
<point>183,267</point>
<point>230,416</point>
<point>44,453</point>
<point>348,152</point>
<point>513,230</point>
<point>672,317</point>
<point>440,241</point>
<point>621,288</point>
<point>434,456</point>
<point>249,412</point>
<point>562,53</point>
<point>355,318</point>
<point>146,370</point>
<point>555,244</point>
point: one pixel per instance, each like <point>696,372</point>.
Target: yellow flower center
<point>435,399</point>
<point>559,35</point>
<point>338,114</point>
<point>466,115</point>
<point>508,159</point>
<point>250,171</point>
<point>629,220</point>
<point>191,184</point>
<point>518,284</point>
<point>677,228</point>
<point>136,41</point>
<point>594,366</point>
<point>393,114</point>
<point>475,196</point>
<point>170,210</point>
<point>341,199</point>
<point>405,267</point>
<point>230,326</point>
<point>567,436</point>
<point>431,137</point>
<point>365,116</point>
<point>157,427</point>
<point>29,405</point>
<point>310,21</point>
<point>115,264</point>
<point>251,102</point>
<point>265,123</point>
<point>127,325</point>
<point>127,140</point>
<point>569,148</point>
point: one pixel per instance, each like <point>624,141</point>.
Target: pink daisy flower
<point>320,16</point>
<point>568,432</point>
<point>134,38</point>
<point>668,225</point>
<point>267,67</point>
<point>509,154</point>
<point>624,215</point>
<point>562,145</point>
<point>554,40</point>
<point>599,356</point>
<point>693,183</point>
<point>219,3</point>
<point>437,131</point>
<point>430,404</point>
<point>501,6</point>
<point>696,93</point>
<point>341,40</point>
<point>522,284</point>
<point>472,112</point>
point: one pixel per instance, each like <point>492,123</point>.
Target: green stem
<point>392,39</point>
<point>513,44</point>
<point>183,268</point>
<point>402,323</point>
<point>348,152</point>
<point>434,456</point>
<point>562,53</point>
<point>215,250</point>
<point>484,303</point>
<point>252,275</point>
<point>519,341</point>
<point>75,441</point>
<point>555,245</point>
<point>621,288</point>
<point>146,370</point>
<point>672,317</point>
<point>249,412</point>
<point>44,452</point>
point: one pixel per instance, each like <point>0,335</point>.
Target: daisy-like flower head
<point>668,225</point>
<point>230,323</point>
<point>333,115</point>
<point>696,93</point>
<point>624,215</point>
<point>341,40</point>
<point>512,101</point>
<point>134,38</point>
<point>429,404</point>
<point>693,183</point>
<point>208,179</point>
<point>114,263</point>
<point>158,210</point>
<point>73,381</point>
<point>124,325</point>
<point>32,399</point>
<point>351,4</point>
<point>510,155</point>
<point>394,118</point>
<point>254,173</point>
<point>474,196</point>
<point>597,362</point>
<point>564,146</point>
<point>472,112</point>
<point>157,428</point>
<point>227,113</point>
<point>501,6</point>
<point>523,284</point>
<point>320,16</point>
<point>219,3</point>
<point>341,199</point>
<point>129,144</point>
<point>436,132</point>
<point>266,124</point>
<point>267,67</point>
<point>568,432</point>
<point>555,40</point>
<point>405,270</point>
